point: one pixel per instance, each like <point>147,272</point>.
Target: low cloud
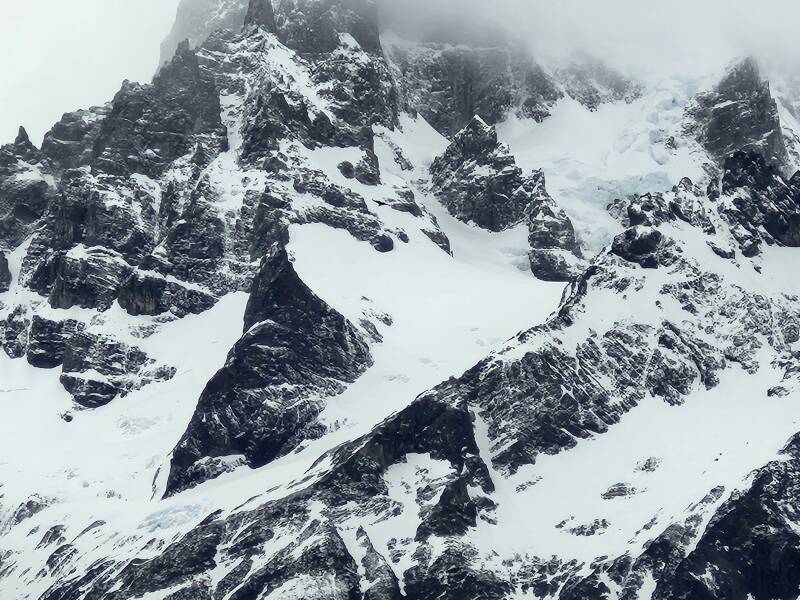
<point>649,38</point>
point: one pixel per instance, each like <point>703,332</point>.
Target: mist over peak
<point>648,40</point>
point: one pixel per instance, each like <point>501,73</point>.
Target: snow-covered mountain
<point>330,310</point>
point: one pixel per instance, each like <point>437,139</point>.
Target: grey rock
<point>477,180</point>
<point>197,20</point>
<point>146,293</point>
<point>648,248</point>
<point>26,186</point>
<point>261,14</point>
<point>5,273</point>
<point>47,341</point>
<point>750,545</point>
<point>90,281</point>
<point>593,83</point>
<point>740,114</point>
<point>449,84</point>
<point>14,330</point>
<point>70,142</point>
<point>150,126</point>
<point>98,368</point>
<point>295,351</point>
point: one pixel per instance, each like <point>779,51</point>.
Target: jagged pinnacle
<point>261,14</point>
<point>22,137</point>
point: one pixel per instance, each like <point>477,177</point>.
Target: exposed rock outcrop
<point>295,352</point>
<point>5,274</point>
<point>27,184</point>
<point>449,84</point>
<point>478,181</point>
<point>740,114</point>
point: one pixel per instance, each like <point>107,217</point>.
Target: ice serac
<point>478,181</point>
<point>296,351</point>
<point>739,114</point>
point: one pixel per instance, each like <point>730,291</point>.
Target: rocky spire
<point>261,14</point>
<point>23,147</point>
<point>22,137</point>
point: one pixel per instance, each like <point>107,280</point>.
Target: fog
<point>60,55</point>
<point>647,38</point>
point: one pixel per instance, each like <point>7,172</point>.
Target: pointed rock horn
<point>22,137</point>
<point>261,14</point>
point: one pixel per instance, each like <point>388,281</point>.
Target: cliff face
<point>740,114</point>
<point>198,19</point>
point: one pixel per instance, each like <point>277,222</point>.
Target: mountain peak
<point>261,14</point>
<point>22,137</point>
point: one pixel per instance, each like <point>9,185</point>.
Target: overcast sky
<point>61,55</point>
<point>649,38</point>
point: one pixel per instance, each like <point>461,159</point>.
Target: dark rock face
<point>14,332</point>
<point>97,368</point>
<point>645,247</point>
<point>276,117</point>
<point>751,548</point>
<point>449,85</point>
<point>555,254</point>
<point>296,350</point>
<point>5,274</point>
<point>261,14</point>
<point>739,114</point>
<point>194,248</point>
<point>762,200</point>
<point>70,143</point>
<point>26,186</point>
<point>150,126</point>
<point>147,293</point>
<point>90,237</point>
<point>47,341</point>
<point>314,27</point>
<point>477,180</point>
<point>89,281</point>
